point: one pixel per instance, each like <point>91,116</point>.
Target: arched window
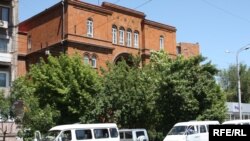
<point>121,36</point>
<point>114,34</point>
<point>136,39</point>
<point>161,42</point>
<point>129,38</point>
<point>90,27</point>
<point>86,59</point>
<point>93,61</point>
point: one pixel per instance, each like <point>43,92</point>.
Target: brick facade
<point>64,28</point>
<point>188,49</point>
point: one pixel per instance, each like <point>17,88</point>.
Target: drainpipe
<point>63,22</point>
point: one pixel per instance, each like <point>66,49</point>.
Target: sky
<point>221,27</point>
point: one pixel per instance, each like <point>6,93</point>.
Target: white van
<point>82,132</point>
<point>237,122</point>
<point>190,131</point>
<point>133,135</point>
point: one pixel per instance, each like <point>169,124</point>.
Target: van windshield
<point>51,136</point>
<point>178,130</point>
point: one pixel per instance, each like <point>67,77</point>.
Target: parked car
<point>133,135</point>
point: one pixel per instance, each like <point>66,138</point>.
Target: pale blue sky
<point>217,25</point>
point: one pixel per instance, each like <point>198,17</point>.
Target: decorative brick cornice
<point>160,25</point>
<point>88,44</point>
<point>121,9</point>
<point>89,6</point>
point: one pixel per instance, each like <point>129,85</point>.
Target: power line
<point>146,2</point>
<point>225,11</point>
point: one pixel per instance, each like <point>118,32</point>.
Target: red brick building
<point>98,33</point>
<point>187,49</point>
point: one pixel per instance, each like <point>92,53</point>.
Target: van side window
<point>113,132</point>
<point>139,133</point>
<point>83,134</point>
<point>101,133</point>
<point>121,135</point>
<point>128,135</point>
<point>66,136</point>
<point>202,129</point>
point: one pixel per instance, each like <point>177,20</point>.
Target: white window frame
<point>86,59</point>
<point>114,35</point>
<point>29,43</point>
<point>136,39</point>
<point>161,43</point>
<point>121,36</point>
<point>90,29</point>
<point>7,79</point>
<point>129,38</point>
<point>93,61</point>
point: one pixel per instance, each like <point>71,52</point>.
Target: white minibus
<point>190,131</point>
<point>82,132</point>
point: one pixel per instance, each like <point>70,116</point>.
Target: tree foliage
<point>228,81</point>
<point>4,106</point>
<point>128,96</point>
<point>188,90</point>
<point>62,90</point>
<point>59,90</point>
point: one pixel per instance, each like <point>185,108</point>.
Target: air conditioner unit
<point>47,52</point>
<point>3,24</point>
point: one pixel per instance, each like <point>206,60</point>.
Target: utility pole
<point>238,76</point>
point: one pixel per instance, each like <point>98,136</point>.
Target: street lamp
<point>238,76</point>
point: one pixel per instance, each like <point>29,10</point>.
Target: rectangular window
<point>101,133</point>
<point>113,132</point>
<point>29,43</point>
<point>129,39</point>
<point>121,41</point>
<point>114,34</point>
<point>86,59</point>
<point>66,135</point>
<point>4,13</point>
<point>93,62</point>
<point>203,129</point>
<point>136,40</point>
<point>83,134</point>
<point>121,135</point>
<point>139,133</point>
<point>178,50</point>
<point>128,135</point>
<point>4,79</point>
<point>3,45</point>
<point>161,43</point>
<point>90,28</point>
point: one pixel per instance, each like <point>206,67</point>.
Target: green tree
<point>188,90</point>
<point>128,97</point>
<point>59,90</point>
<point>5,113</point>
<point>35,117</point>
<point>228,81</point>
